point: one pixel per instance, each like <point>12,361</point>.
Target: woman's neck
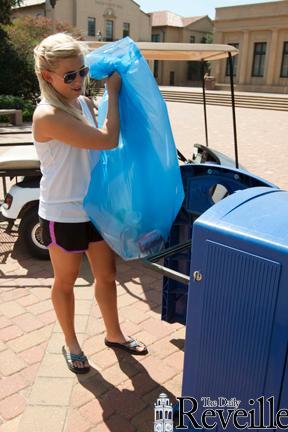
<point>76,104</point>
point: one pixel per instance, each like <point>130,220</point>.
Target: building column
<point>48,9</point>
<point>216,66</point>
<point>151,65</point>
<point>244,57</point>
<point>74,3</point>
<point>218,38</point>
<point>271,70</point>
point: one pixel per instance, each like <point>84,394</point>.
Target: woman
<point>64,129</point>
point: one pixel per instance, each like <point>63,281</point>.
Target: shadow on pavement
<point>120,401</point>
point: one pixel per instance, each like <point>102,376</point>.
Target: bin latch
<point>197,276</point>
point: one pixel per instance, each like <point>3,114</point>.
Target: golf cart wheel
<point>30,234</point>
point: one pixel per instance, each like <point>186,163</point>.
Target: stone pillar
<point>74,3</point>
<point>151,65</point>
<point>218,37</point>
<point>216,66</point>
<point>243,61</point>
<point>271,59</point>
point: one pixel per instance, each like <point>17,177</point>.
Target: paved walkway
<point>37,392</point>
<point>262,136</point>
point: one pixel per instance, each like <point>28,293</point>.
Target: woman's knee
<point>105,278</point>
<point>65,282</point>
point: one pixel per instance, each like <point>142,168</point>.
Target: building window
<point>156,68</point>
<point>155,38</point>
<point>259,59</point>
<point>91,26</point>
<point>194,71</point>
<point>126,29</point>
<point>109,30</point>
<point>192,39</point>
<point>284,65</point>
<point>190,70</point>
<point>234,62</point>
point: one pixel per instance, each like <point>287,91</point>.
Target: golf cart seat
<point>203,154</point>
<point>19,158</point>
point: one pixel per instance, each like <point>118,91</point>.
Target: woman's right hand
<point>114,83</point>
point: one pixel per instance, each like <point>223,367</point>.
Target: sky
<point>191,7</point>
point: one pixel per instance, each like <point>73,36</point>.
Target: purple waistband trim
<point>65,250</point>
<point>52,232</point>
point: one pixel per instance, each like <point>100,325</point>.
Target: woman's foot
<point>74,348</point>
<point>71,359</point>
<point>129,344</point>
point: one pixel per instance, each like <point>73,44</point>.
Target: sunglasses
<point>69,77</point>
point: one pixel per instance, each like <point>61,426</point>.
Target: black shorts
<point>71,237</point>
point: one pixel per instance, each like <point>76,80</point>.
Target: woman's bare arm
<point>57,124</point>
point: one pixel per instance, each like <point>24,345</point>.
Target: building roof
<point>26,3</point>
<point>190,20</point>
<point>167,18</point>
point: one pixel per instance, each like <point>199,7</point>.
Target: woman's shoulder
<point>43,110</point>
<point>43,115</point>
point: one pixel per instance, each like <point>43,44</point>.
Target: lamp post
<point>53,4</point>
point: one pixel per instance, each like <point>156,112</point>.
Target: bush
<point>10,102</point>
<point>17,42</point>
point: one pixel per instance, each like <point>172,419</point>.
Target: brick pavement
<point>262,136</point>
<point>37,392</point>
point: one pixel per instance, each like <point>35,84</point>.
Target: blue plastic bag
<point>136,189</point>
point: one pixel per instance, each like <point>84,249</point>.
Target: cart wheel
<point>29,232</point>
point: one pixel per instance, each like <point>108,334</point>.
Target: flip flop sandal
<point>70,358</point>
<point>130,346</point>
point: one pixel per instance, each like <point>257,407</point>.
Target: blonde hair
<point>47,55</point>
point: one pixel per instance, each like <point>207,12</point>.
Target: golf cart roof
<point>178,51</point>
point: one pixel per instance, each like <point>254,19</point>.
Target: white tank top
<point>65,177</point>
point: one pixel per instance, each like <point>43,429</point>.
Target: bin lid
<point>260,213</point>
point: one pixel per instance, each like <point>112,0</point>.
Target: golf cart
<point>21,202</point>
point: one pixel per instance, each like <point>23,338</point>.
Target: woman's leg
<point>103,265</point>
<point>66,269</point>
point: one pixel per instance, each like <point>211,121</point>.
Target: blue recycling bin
<point>204,184</point>
<point>237,314</point>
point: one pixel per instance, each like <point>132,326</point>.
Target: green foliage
<point>6,10</point>
<point>15,77</point>
<point>208,38</point>
<point>10,102</point>
<point>17,41</point>
<point>27,31</point>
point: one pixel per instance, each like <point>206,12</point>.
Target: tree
<point>6,9</point>
<point>208,38</point>
<point>17,76</point>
